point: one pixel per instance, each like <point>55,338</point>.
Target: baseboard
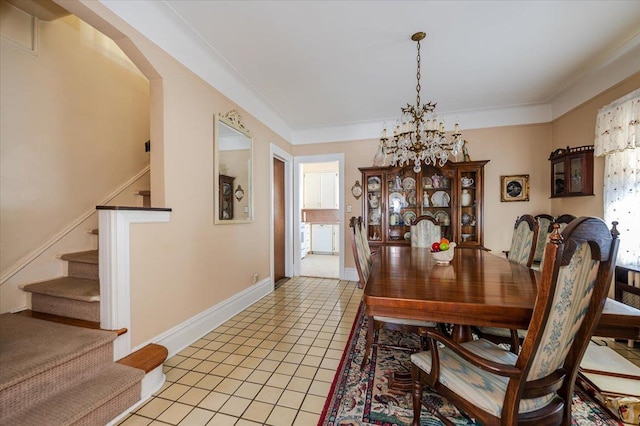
<point>182,335</point>
<point>351,274</point>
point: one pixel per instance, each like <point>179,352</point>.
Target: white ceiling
<point>317,71</point>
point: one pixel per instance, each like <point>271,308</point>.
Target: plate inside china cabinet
<point>408,217</point>
<point>397,201</point>
<point>441,216</point>
<point>440,199</point>
<point>411,198</point>
<point>409,183</point>
<point>373,183</point>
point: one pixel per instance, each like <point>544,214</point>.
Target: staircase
<point>56,374</point>
<point>57,365</point>
<point>75,296</point>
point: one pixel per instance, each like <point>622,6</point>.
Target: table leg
<point>461,333</point>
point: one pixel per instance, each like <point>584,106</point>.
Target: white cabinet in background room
<point>305,238</point>
<point>336,238</point>
<point>321,238</point>
<point>320,190</point>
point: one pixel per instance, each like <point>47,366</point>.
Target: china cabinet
<point>572,171</point>
<point>226,197</point>
<point>394,196</point>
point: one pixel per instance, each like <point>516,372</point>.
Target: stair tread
<point>144,192</point>
<point>146,358</point>
<point>31,346</point>
<point>82,289</point>
<point>89,256</point>
<point>77,401</point>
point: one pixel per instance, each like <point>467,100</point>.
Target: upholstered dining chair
<point>562,221</point>
<point>523,241</point>
<point>425,230</point>
<point>375,323</point>
<point>545,226</point>
<point>535,387</point>
<point>515,337</point>
<point>365,240</point>
<point>363,263</point>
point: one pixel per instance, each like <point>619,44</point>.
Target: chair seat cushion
<point>501,332</point>
<point>481,388</point>
<point>402,321</point>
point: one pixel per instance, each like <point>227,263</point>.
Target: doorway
<point>282,234</point>
<point>319,213</point>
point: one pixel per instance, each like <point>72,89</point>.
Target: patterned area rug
<point>365,397</point>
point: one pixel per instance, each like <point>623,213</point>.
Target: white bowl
<point>444,257</point>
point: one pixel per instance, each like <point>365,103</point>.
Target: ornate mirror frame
<point>232,169</point>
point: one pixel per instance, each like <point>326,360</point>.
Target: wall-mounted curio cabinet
<point>572,171</point>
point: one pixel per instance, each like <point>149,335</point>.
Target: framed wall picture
<point>514,188</point>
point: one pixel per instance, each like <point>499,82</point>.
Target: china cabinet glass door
<point>401,203</point>
<point>436,197</point>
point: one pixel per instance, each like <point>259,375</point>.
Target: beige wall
<point>181,268</point>
<point>526,148</point>
<point>75,116</point>
<point>577,128</point>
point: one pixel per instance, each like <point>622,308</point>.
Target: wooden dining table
<point>477,288</point>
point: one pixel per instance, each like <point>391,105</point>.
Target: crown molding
<point>157,21</point>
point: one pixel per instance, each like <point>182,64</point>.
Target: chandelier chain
<point>418,87</point>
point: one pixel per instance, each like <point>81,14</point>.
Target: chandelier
<point>418,137</point>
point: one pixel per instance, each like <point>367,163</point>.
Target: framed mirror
<point>232,170</point>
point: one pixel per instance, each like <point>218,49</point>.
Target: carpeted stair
<point>55,374</point>
<point>76,295</point>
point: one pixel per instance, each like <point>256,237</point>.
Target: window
<point>617,137</point>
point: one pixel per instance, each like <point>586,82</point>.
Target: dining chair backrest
<point>571,294</point>
<point>425,230</point>
<point>362,264</point>
<point>564,220</point>
<point>523,241</point>
<point>545,226</point>
<point>365,240</point>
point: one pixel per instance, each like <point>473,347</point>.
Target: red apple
<point>435,247</point>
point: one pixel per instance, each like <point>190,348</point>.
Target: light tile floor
<point>320,265</point>
<point>271,364</point>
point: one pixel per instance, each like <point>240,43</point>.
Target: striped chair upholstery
<point>357,246</point>
<point>523,241</point>
<point>365,240</point>
<point>545,223</point>
<point>563,319</point>
<point>425,230</point>
<point>562,221</point>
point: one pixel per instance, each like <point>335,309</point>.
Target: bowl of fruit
<point>442,251</point>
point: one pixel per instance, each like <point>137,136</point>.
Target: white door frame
<point>280,154</point>
<point>297,206</point>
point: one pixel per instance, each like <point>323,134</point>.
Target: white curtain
<point>617,139</point>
